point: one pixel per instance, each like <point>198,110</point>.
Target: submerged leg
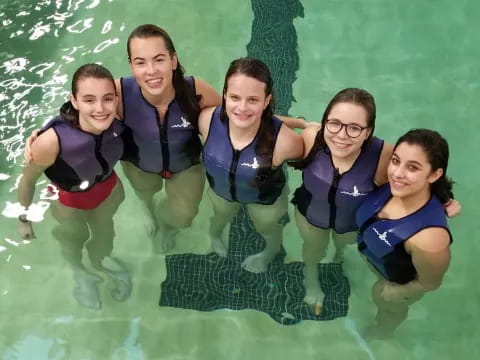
<point>389,315</point>
<point>267,221</point>
<point>341,241</point>
<point>100,246</point>
<point>223,213</point>
<point>184,193</point>
<point>145,185</point>
<point>72,233</point>
<point>315,245</point>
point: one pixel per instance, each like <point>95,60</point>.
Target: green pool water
<point>418,59</point>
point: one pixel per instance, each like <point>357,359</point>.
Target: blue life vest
<point>84,158</point>
<point>240,175</point>
<point>382,240</point>
<point>328,199</point>
<point>165,148</point>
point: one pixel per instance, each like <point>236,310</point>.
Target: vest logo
<point>115,134</point>
<point>185,123</point>
<point>355,192</point>
<point>253,165</point>
<point>383,236</point>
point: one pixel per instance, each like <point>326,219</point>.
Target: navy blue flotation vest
<point>165,148</point>
<point>328,199</point>
<point>240,175</point>
<point>382,240</point>
<point>84,158</point>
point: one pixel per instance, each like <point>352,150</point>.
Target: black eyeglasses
<point>353,130</point>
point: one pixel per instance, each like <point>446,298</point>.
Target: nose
<point>242,105</point>
<point>398,172</point>
<point>343,132</point>
<point>99,106</point>
<point>150,67</point>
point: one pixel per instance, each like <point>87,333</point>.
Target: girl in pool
<point>403,231</point>
<point>77,151</point>
<point>343,163</point>
<point>245,146</point>
<point>160,108</point>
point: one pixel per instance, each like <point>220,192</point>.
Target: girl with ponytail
<point>77,151</point>
<point>403,230</point>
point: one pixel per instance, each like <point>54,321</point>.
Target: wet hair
<point>256,69</point>
<point>437,152</point>
<point>184,94</point>
<point>96,71</point>
<point>355,96</point>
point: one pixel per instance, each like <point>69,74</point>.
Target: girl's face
<point>344,121</point>
<point>245,100</point>
<point>151,65</point>
<point>410,172</point>
<point>96,102</point>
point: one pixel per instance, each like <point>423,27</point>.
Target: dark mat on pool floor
<point>209,282</point>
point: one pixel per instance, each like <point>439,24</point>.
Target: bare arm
<point>289,146</point>
<point>308,136</point>
<point>204,120</point>
<point>209,96</point>
<point>44,150</point>
<point>430,256</point>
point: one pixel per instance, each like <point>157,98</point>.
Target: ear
<point>435,175</point>
<point>74,102</point>
<point>368,132</point>
<point>267,101</point>
<point>174,61</point>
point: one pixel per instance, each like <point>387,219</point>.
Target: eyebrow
<point>394,155</point>
<point>91,95</point>
<point>156,56</point>
<point>352,123</point>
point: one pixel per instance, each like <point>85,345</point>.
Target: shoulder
<point>308,136</point>
<point>46,148</point>
<point>289,146</point>
<point>204,120</point>
<point>429,240</point>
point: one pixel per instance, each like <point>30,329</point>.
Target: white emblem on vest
<point>383,236</point>
<point>355,192</point>
<point>184,124</point>
<point>253,165</point>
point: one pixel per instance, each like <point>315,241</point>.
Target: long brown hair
<point>184,94</point>
<point>256,69</point>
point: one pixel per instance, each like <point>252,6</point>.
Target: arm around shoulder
<point>209,96</point>
<point>289,146</point>
<point>385,157</point>
<point>204,120</point>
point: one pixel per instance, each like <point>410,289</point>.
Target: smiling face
<point>340,144</point>
<point>410,172</point>
<point>245,101</point>
<point>96,102</point>
<point>152,65</point>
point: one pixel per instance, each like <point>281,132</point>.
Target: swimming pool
<point>419,62</point>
